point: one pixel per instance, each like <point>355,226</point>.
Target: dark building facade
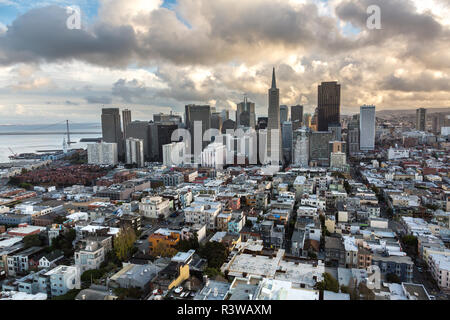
<point>111,128</point>
<point>140,130</point>
<point>296,117</point>
<point>329,104</point>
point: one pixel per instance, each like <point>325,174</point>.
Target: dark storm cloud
<point>421,83</point>
<point>42,35</point>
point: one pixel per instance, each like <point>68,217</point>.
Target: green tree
<point>215,253</point>
<point>328,283</point>
<point>32,241</point>
<point>393,278</point>
<point>186,245</point>
<point>64,242</point>
<point>123,243</point>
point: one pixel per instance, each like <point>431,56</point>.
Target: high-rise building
<point>111,128</point>
<point>296,117</point>
<point>421,119</point>
<point>160,134</point>
<point>225,115</point>
<point>284,113</point>
<point>274,144</point>
<point>140,130</point>
<point>286,131</point>
<point>216,121</point>
<point>307,120</point>
<point>135,151</point>
<point>202,114</point>
<point>245,114</point>
<point>126,119</point>
<point>319,147</point>
<point>336,129</point>
<point>102,153</point>
<point>367,120</point>
<point>173,153</point>
<point>329,105</point>
<point>214,156</point>
<point>167,118</point>
<point>300,153</point>
<point>353,135</point>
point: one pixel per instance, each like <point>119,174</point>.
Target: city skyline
<point>134,65</point>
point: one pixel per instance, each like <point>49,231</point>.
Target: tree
<point>64,242</point>
<point>328,283</point>
<point>32,241</point>
<point>163,250</point>
<point>392,278</point>
<point>123,243</point>
<point>215,253</point>
<point>190,244</point>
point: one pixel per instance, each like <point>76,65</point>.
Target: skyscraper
<point>245,114</point>
<point>421,119</point>
<point>126,119</point>
<point>329,104</point>
<point>273,125</point>
<point>283,113</point>
<point>367,128</point>
<point>353,135</point>
<point>135,151</point>
<point>102,153</point>
<point>140,130</point>
<point>300,153</point>
<point>296,117</point>
<point>202,114</point>
<point>111,130</point>
<point>286,131</point>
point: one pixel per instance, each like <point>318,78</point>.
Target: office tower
<point>102,153</point>
<point>166,118</point>
<point>228,125</point>
<point>284,112</point>
<point>126,119</point>
<point>196,113</point>
<point>338,160</point>
<point>214,156</point>
<point>319,147</point>
<point>296,117</point>
<point>353,135</point>
<point>245,114</point>
<point>111,128</point>
<point>438,121</point>
<point>216,121</point>
<point>134,149</point>
<point>329,105</point>
<point>338,146</point>
<point>336,129</point>
<point>274,144</point>
<point>286,131</point>
<point>367,120</point>
<point>225,114</point>
<point>262,122</point>
<point>300,153</point>
<point>173,153</point>
<point>160,134</point>
<point>421,119</point>
<point>262,146</point>
<point>140,130</point>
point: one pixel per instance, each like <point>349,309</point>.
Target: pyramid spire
<point>274,81</point>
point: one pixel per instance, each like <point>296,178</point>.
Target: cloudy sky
<point>158,55</point>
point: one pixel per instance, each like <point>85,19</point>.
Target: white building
<point>63,279</point>
<point>102,153</point>
<point>394,154</point>
<point>203,212</point>
<point>214,156</point>
<point>440,269</point>
<point>300,147</point>
<point>367,128</point>
<point>153,207</point>
<point>91,257</point>
<point>174,153</point>
<point>135,151</point>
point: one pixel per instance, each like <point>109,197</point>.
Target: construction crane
<point>12,152</point>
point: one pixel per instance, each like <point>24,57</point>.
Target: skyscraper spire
<point>274,81</point>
